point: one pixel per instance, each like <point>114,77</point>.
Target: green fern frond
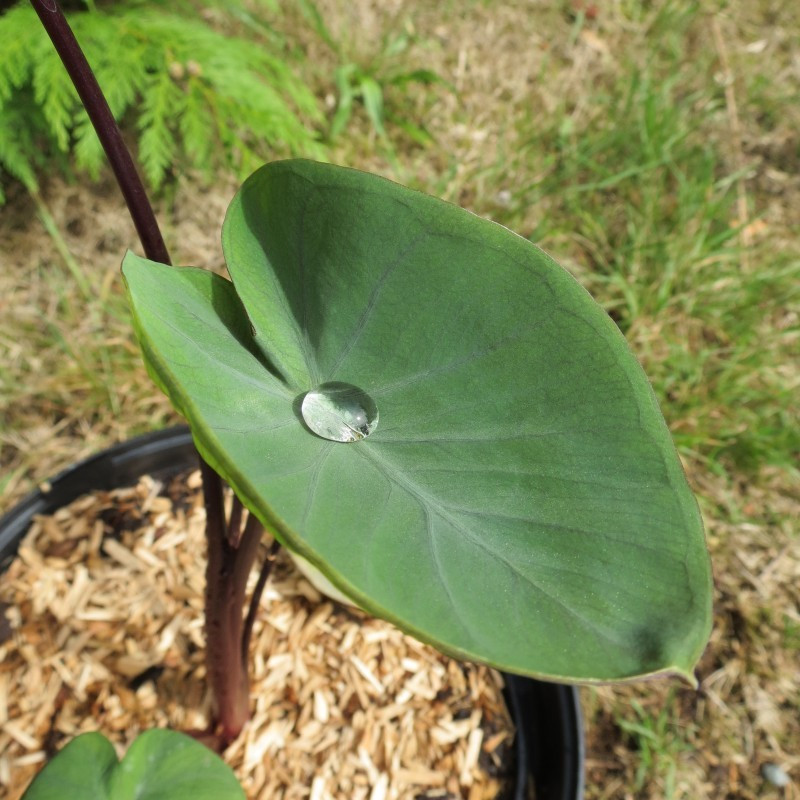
<point>193,92</point>
<point>197,130</point>
<point>16,147</point>
<point>122,79</point>
<point>89,153</point>
<point>162,105</point>
<point>22,39</point>
<point>123,74</point>
<point>56,96</point>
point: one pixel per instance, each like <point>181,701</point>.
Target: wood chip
<point>365,673</point>
<point>381,788</point>
<point>19,735</point>
<point>3,698</point>
<point>420,775</point>
<point>344,706</point>
<point>123,555</point>
<point>474,742</point>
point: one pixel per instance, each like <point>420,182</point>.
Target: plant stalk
<point>234,530</point>
<point>226,673</point>
<point>231,552</point>
<point>105,126</point>
<point>229,565</point>
<point>255,599</point>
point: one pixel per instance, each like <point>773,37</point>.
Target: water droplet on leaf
<point>340,412</point>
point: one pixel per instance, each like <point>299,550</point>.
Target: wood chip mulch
<point>101,628</point>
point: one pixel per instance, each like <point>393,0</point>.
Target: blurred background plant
<point>375,79</point>
<point>204,86</point>
<point>198,95</point>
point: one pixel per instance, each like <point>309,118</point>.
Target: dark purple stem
<point>226,582</point>
<point>235,522</point>
<point>230,553</point>
<point>223,661</point>
<point>107,130</point>
<point>255,600</point>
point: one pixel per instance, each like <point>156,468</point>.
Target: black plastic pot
<point>549,742</point>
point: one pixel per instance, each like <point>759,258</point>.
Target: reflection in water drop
<point>340,412</point>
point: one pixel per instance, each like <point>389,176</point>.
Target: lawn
<point>653,149</point>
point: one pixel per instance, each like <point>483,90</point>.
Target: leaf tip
<point>686,675</point>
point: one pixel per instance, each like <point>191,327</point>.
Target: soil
<point>102,630</point>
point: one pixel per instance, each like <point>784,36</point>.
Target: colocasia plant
<point>158,765</point>
<point>428,411</point>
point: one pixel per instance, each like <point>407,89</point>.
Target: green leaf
<point>81,769</point>
<point>314,17</point>
<point>372,95</point>
<point>158,765</point>
<point>343,77</point>
<point>164,764</point>
<point>520,501</point>
<point>417,133</point>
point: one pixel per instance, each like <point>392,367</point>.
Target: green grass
<point>634,191</point>
<point>621,164</point>
<point>379,84</point>
<point>791,633</point>
<point>659,739</point>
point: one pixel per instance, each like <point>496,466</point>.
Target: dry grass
<point>529,81</point>
<point>71,375</point>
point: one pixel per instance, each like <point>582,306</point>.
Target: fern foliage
<point>195,94</point>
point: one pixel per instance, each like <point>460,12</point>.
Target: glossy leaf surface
<point>159,765</point>
<point>520,501</point>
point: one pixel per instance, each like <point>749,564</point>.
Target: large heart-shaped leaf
<point>520,501</point>
<point>159,765</point>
